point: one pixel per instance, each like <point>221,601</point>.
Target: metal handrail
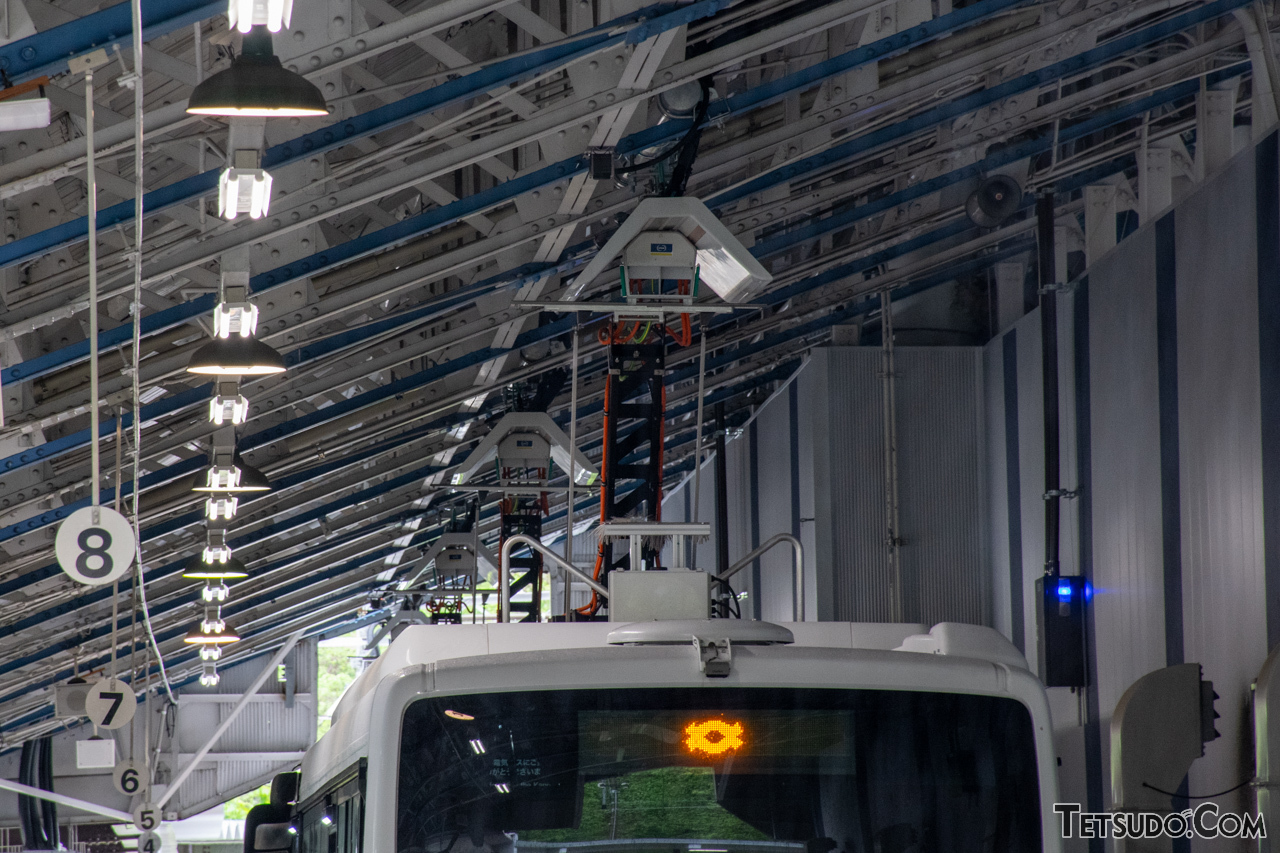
<point>797,568</point>
<point>504,570</point>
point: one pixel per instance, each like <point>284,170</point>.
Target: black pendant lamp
<point>198,636</point>
<point>251,480</point>
<point>198,569</point>
<point>236,356</point>
<point>257,84</point>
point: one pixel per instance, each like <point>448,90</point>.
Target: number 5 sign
<point>95,554</point>
<point>110,703</point>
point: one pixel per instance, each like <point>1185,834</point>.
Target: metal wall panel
<point>940,472</point>
<point>941,491</point>
<point>1030,376</point>
<point>850,489</point>
<point>996,487</point>
<point>267,725</point>
<point>775,437</point>
<point>760,505</point>
<point>1128,599</point>
<point>1220,442</point>
<point>818,468</point>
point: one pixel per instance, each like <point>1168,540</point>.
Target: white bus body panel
<point>442,660</point>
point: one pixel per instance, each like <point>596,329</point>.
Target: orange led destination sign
<point>713,737</point>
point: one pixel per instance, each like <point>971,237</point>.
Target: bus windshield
<point>718,770</point>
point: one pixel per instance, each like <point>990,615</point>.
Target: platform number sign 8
<point>95,552</point>
<point>149,842</point>
<point>110,704</point>
<point>127,778</point>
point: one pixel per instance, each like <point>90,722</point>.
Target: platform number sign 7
<point>110,704</point>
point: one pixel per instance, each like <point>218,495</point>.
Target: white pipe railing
<point>797,569</point>
<point>64,800</point>
<point>504,571</point>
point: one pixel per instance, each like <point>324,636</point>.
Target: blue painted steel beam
<point>440,217</point>
<point>765,248</point>
<point>231,609</point>
<point>787,240</point>
<point>294,358</point>
<point>48,52</point>
<point>141,647</point>
<point>969,103</point>
<point>856,269</point>
<point>293,522</point>
<point>419,539</point>
<point>493,76</point>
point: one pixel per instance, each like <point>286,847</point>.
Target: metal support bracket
<point>715,657</point>
<point>1065,494</point>
<point>1058,287</point>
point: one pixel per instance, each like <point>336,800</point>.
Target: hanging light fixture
<point>209,676</point>
<point>236,357</point>
<point>198,636</point>
<point>234,408</point>
<point>256,84</point>
<point>272,14</point>
<point>238,477</point>
<point>200,569</point>
<point>215,592</point>
<point>244,191</point>
<point>221,506</point>
<point>210,652</point>
<point>235,318</point>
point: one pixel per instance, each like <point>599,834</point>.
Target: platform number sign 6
<point>95,552</point>
<point>110,704</point>
<point>149,842</point>
<point>127,778</point>
<point>146,818</point>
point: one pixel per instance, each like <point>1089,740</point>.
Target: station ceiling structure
<point>839,141</point>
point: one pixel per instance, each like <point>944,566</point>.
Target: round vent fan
<point>995,200</point>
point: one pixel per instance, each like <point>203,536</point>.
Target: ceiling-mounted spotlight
<point>235,318</point>
<point>272,14</point>
<point>256,84</point>
<point>244,191</point>
<point>239,477</point>
<point>236,357</point>
<point>209,676</point>
<point>210,652</point>
<point>221,505</point>
<point>198,568</point>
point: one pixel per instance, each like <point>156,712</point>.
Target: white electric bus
<point>719,736</point>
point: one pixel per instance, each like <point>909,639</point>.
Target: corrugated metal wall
<point>941,482</point>
<point>1220,442</point>
<point>811,464</point>
<point>941,485</point>
<point>1164,409</point>
<point>765,498</point>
